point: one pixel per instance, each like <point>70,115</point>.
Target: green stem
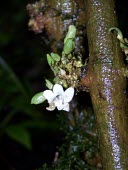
<point>107,84</point>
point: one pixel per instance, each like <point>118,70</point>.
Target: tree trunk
<point>107,84</point>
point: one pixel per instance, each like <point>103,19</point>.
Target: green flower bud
<point>49,84</point>
<point>62,72</point>
<point>69,46</point>
<point>55,56</point>
<point>119,34</point>
<point>64,83</point>
<point>57,80</point>
<point>69,56</point>
<point>71,33</point>
<point>38,98</point>
<point>50,60</point>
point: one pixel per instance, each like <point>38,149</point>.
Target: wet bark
<point>54,17</point>
<point>68,12</point>
<point>107,84</point>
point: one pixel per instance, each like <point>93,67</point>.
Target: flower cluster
<point>57,98</point>
<point>66,66</point>
<point>66,69</point>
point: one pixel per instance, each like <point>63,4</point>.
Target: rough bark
<point>68,12</point>
<point>107,84</point>
<point>54,17</point>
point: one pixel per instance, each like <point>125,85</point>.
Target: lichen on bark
<point>107,84</point>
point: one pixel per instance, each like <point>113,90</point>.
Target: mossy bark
<point>107,84</point>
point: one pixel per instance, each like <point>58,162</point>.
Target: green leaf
<point>55,56</point>
<point>14,93</point>
<point>49,84</point>
<point>123,46</point>
<point>69,46</point>
<point>71,33</point>
<point>126,40</point>
<point>20,135</point>
<point>38,98</point>
<point>119,34</point>
<point>50,60</point>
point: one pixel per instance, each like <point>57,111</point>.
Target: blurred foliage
<point>20,75</point>
<point>16,102</point>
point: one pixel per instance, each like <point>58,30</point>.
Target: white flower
<point>58,97</point>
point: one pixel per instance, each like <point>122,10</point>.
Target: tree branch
<point>107,84</point>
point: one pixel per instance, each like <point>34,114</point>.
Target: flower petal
<point>68,94</point>
<point>59,102</point>
<point>49,95</point>
<point>66,108</point>
<point>58,89</point>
